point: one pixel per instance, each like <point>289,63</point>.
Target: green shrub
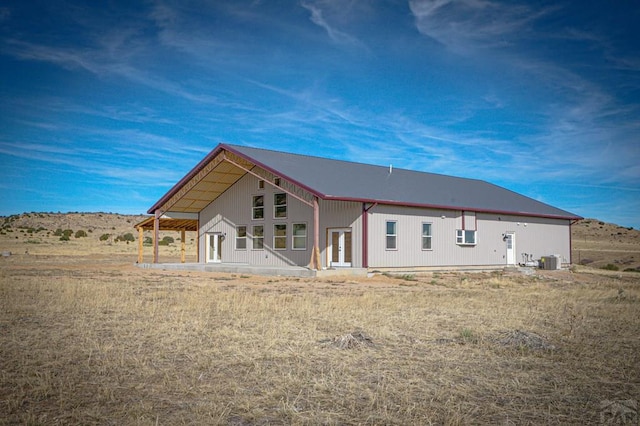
<point>163,243</point>
<point>67,232</point>
<point>128,237</point>
<point>168,239</point>
<point>148,241</point>
<point>105,237</point>
<point>57,233</point>
<point>80,234</point>
<point>610,267</point>
<point>64,238</point>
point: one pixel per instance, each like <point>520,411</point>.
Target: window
<point>241,238</point>
<point>258,237</point>
<point>465,237</point>
<point>391,235</point>
<point>261,184</point>
<point>426,236</point>
<point>276,181</point>
<point>299,236</point>
<point>280,236</point>
<point>280,206</point>
<point>258,207</point>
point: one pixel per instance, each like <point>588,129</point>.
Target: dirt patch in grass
<point>353,340</point>
<point>523,340</point>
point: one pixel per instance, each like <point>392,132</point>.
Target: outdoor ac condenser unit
<point>550,262</point>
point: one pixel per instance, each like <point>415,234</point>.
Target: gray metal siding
<point>234,208</point>
<point>341,214</point>
<point>537,236</point>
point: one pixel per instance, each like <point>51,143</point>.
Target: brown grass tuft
<point>354,340</point>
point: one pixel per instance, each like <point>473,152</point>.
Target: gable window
<point>258,237</point>
<point>257,212</point>
<point>280,236</point>
<point>426,236</point>
<point>241,237</point>
<point>280,206</point>
<point>276,181</point>
<point>261,184</point>
<point>299,236</point>
<point>465,237</point>
<point>392,235</point>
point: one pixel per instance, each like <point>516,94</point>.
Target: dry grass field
<point>88,338</point>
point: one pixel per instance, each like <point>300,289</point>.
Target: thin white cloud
<point>465,26</point>
<point>318,17</point>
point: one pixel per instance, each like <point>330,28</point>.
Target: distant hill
<point>598,244</point>
<point>102,222</point>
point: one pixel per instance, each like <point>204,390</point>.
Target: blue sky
<point>106,105</point>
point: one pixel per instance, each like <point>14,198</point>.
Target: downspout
<point>315,256</point>
<point>365,233</point>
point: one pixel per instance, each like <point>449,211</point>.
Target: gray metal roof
<point>336,179</point>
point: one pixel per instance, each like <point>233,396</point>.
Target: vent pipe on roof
<point>390,168</point>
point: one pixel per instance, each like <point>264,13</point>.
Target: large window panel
<point>257,212</point>
<point>258,237</point>
<point>280,205</point>
<point>280,236</point>
<point>299,231</point>
<point>391,235</point>
<point>426,236</point>
<point>241,237</point>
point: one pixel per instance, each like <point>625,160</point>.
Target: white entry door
<point>510,240</point>
<point>214,247</point>
<point>339,248</point>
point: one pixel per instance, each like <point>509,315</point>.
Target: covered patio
<point>179,209</point>
<point>157,224</point>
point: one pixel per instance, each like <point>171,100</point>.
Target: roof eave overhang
<point>212,155</point>
<point>166,197</point>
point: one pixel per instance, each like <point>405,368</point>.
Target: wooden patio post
<point>156,235</point>
<point>198,243</point>
<point>183,246</point>
<point>140,242</point>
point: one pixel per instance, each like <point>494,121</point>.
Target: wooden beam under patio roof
<point>169,224</point>
<point>206,182</point>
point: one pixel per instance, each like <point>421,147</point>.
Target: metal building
<point>261,207</point>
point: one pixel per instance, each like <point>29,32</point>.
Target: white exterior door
<point>339,248</point>
<point>510,240</point>
<point>214,247</point>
